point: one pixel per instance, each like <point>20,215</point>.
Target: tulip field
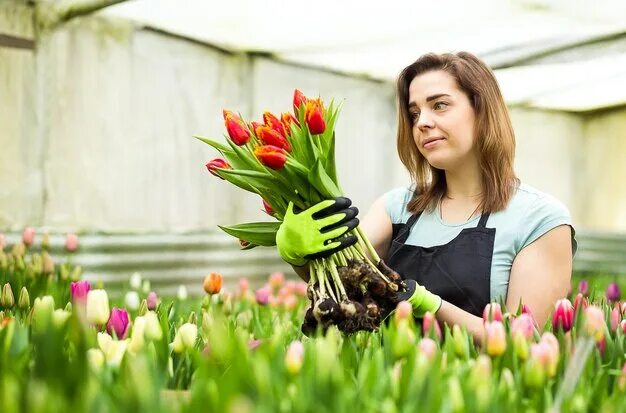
<point>65,345</point>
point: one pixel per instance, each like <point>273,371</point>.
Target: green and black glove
<point>420,298</point>
<point>316,232</point>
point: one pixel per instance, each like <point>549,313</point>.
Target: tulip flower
<point>137,338</point>
<point>79,290</point>
<point>118,322</point>
<point>71,242</point>
<point>276,280</point>
<point>28,236</point>
<point>273,123</point>
<point>563,316</point>
<point>622,324</point>
<point>218,163</point>
<point>153,329</point>
<point>495,338</point>
<point>212,283</point>
<point>404,310</point>
<point>135,281</point>
<point>580,300</point>
<point>271,156</point>
<point>113,350</point>
<point>288,120</point>
<point>152,301</point>
<point>23,301</point>
<point>459,339</point>
<point>131,299</point>
<point>314,117</point>
<point>427,347</point>
<point>613,293</point>
<point>182,293</point>
<point>244,285</point>
<point>237,130</point>
<point>301,288</point>
<point>60,317</point>
<point>524,326</point>
<point>268,208</point>
<point>583,288</point>
<point>48,263</point>
<point>552,344</point>
<point>594,322</point>
<point>97,308</point>
<point>429,321</point>
<point>298,100</point>
<point>492,312</point>
<point>43,307</point>
<point>7,300</point>
<point>404,340</point>
<point>294,357</point>
<point>616,317</point>
<point>45,241</point>
<point>95,358</point>
<point>185,338</point>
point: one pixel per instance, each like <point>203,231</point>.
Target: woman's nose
<point>425,121</point>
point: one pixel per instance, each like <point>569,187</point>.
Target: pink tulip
<point>118,322</point>
<point>152,300</point>
<point>623,325</point>
<point>253,344</point>
<point>79,290</point>
<point>594,322</point>
<point>429,321</point>
<point>524,326</point>
<point>404,311</point>
<point>301,288</point>
<point>71,242</point>
<point>28,236</point>
<point>613,293</point>
<point>428,347</point>
<point>616,317</point>
<point>495,338</point>
<point>290,302</point>
<point>580,300</point>
<point>492,312</point>
<point>244,285</point>
<point>563,316</point>
<point>263,294</point>
<point>583,288</point>
<point>276,280</point>
<point>294,357</point>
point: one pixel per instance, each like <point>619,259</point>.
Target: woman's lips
<point>430,143</point>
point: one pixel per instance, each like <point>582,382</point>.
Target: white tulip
<point>98,307</point>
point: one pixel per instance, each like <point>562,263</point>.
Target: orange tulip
<point>271,156</point>
<point>298,100</point>
<point>217,163</point>
<point>236,128</point>
<point>213,283</point>
<point>269,136</point>
<point>314,117</point>
<point>289,120</point>
<point>274,123</point>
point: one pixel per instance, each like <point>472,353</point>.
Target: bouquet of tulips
<point>291,158</point>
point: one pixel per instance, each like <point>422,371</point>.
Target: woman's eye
<point>414,115</point>
<point>440,103</point>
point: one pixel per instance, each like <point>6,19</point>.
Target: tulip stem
<point>362,238</point>
<point>337,279</point>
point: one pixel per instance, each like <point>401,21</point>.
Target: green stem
<point>362,238</point>
<point>337,280</point>
<point>321,279</point>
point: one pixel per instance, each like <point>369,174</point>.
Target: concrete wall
<point>97,125</point>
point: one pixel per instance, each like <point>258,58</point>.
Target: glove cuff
<point>423,300</point>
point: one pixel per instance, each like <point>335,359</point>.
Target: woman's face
<point>443,120</point>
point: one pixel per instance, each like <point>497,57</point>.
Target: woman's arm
<point>541,273</point>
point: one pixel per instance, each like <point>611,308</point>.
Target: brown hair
<point>495,139</point>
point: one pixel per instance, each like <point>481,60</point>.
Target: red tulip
<point>273,122</point>
<point>563,315</point>
<point>492,312</point>
<point>217,163</point>
<point>298,100</point>
<point>236,128</point>
<point>269,136</point>
<point>289,120</point>
<point>254,125</point>
<point>271,156</point>
<point>580,300</point>
<point>268,208</point>
<point>314,117</point>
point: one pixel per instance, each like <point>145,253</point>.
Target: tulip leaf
<point>322,182</point>
<point>247,173</point>
<point>220,147</point>
<point>258,233</point>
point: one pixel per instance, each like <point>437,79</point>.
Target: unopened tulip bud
<point>613,293</point>
<point>23,301</point>
<point>404,340</point>
<point>212,283</point>
<point>520,346</point>
<point>492,312</point>
<point>276,280</point>
<point>71,242</point>
<point>427,347</point>
<point>76,273</point>
<point>623,326</point>
<point>143,307</point>
<point>481,370</point>
<point>580,300</point>
<point>294,357</point>
<point>95,358</point>
<point>43,307</point>
<point>45,241</point>
<point>313,115</point>
<point>553,352</point>
<point>524,326</point>
<point>185,338</point>
<point>118,323</point>
<point>594,322</point>
<point>131,300</point>
<point>97,308</point>
<point>7,300</point>
<point>48,263</point>
<point>182,293</point>
<point>262,295</point>
<point>152,301</point>
<point>534,374</point>
<point>495,337</point>
<point>79,290</point>
<point>153,327</point>
<point>60,317</point>
<point>563,315</point>
<point>461,344</point>
<point>137,338</point>
<point>583,288</point>
<point>430,322</point>
<point>28,236</point>
<point>616,317</point>
<point>135,281</point>
<point>145,286</point>
<point>298,100</point>
<point>404,311</point>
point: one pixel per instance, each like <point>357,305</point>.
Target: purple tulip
<point>152,300</point>
<point>79,290</point>
<point>118,322</point>
<point>583,288</point>
<point>613,293</point>
<point>263,295</point>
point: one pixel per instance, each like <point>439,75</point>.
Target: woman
<point>467,230</point>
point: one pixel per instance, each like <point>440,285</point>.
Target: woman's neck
<point>464,183</point>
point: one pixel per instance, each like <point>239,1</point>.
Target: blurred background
<point>99,100</point>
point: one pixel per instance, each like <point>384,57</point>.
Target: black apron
<point>459,272</point>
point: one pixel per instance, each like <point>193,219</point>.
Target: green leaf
<point>220,147</point>
<point>258,233</point>
<point>322,182</point>
<point>248,173</point>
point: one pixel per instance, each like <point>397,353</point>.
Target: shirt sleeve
<point>396,201</point>
<point>545,214</point>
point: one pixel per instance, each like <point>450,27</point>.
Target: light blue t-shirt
<point>530,214</point>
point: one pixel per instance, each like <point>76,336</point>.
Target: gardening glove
<point>420,298</point>
<point>316,232</point>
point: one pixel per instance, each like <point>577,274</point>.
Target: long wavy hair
<point>494,136</point>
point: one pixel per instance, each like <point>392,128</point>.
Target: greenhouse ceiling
<point>565,55</point>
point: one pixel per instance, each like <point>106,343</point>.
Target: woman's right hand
<point>316,232</point>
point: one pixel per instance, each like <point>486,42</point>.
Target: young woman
<point>466,230</point>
